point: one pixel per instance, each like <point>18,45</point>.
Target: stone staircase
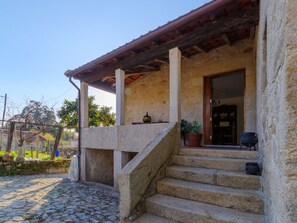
<point>206,186</point>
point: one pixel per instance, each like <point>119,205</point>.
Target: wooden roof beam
<point>226,39</point>
<point>103,86</point>
<point>241,19</point>
<point>148,67</point>
<point>199,49</point>
<point>105,78</point>
<point>184,55</point>
<point>161,61</point>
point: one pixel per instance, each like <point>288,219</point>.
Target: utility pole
<point>4,109</point>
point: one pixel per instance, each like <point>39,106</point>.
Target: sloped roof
<point>212,25</point>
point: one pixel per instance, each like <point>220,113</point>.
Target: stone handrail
<point>138,177</point>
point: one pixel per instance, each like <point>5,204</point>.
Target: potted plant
<point>194,136</point>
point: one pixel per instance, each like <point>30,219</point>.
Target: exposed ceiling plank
<point>240,20</point>
<point>103,86</point>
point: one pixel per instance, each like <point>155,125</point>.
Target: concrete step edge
<point>187,211</point>
<point>214,177</point>
<point>214,158</point>
<point>242,199</point>
<point>151,218</point>
<point>220,153</point>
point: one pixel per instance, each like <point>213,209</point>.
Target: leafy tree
<point>98,115</point>
<point>36,112</point>
<point>68,135</point>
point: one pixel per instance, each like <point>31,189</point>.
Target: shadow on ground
<point>54,198</point>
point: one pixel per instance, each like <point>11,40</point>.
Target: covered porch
<point>168,73</point>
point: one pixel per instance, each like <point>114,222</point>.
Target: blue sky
<point>40,40</point>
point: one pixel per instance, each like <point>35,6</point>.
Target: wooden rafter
<point>226,39</point>
<point>161,61</point>
<point>199,49</point>
<point>148,67</point>
<point>241,19</point>
<point>184,55</point>
<point>103,86</point>
<point>105,78</point>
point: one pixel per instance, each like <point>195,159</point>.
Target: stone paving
<point>53,198</point>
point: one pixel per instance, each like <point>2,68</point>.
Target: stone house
<point>235,53</point>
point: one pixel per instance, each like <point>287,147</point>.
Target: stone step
<point>150,218</point>
<point>237,154</point>
<point>187,211</point>
<point>237,165</point>
<point>214,177</point>
<point>246,200</point>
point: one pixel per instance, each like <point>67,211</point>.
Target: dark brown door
<point>207,110</point>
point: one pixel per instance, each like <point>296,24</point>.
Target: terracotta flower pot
<point>194,140</point>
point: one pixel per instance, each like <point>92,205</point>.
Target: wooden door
<point>207,110</point>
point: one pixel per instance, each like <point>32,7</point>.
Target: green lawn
<point>41,156</point>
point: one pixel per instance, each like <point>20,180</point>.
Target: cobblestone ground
<point>54,198</point>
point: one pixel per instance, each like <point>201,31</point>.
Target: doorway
<point>224,108</point>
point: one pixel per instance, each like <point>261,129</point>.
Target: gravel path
<point>53,198</point>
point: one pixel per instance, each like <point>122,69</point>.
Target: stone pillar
<point>120,159</point>
<point>84,123</point>
<point>120,96</point>
<point>84,107</point>
<point>174,78</point>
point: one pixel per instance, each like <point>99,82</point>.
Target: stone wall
<point>151,93</point>
<point>277,107</point>
<point>99,167</point>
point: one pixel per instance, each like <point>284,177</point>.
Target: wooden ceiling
<point>211,26</point>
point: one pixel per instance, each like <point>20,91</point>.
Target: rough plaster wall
<point>99,167</point>
<point>151,93</point>
<point>277,107</point>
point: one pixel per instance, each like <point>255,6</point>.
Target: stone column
<point>84,123</point>
<point>120,96</point>
<point>120,159</point>
<point>84,107</point>
<point>174,78</point>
